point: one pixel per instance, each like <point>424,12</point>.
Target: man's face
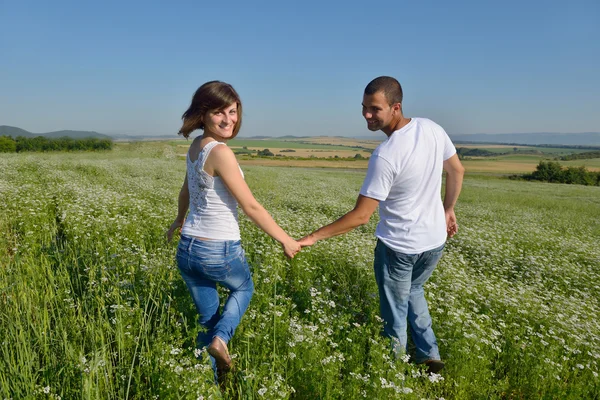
<point>378,113</point>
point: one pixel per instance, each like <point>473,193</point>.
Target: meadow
<point>92,305</point>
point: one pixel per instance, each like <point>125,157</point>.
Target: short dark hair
<point>213,95</point>
<point>389,86</point>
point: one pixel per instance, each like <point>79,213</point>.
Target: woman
<point>209,250</point>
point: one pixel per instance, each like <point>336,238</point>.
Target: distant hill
<point>136,138</point>
<point>13,131</point>
<point>573,139</point>
<point>76,134</point>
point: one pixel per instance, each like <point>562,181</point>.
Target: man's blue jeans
<point>203,264</point>
<point>400,278</point>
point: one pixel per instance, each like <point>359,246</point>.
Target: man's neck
<point>395,126</point>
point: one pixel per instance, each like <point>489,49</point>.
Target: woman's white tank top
<point>212,210</point>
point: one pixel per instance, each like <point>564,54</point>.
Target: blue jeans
<point>400,278</point>
<point>203,264</point>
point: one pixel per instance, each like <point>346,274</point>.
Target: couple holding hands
<point>404,180</point>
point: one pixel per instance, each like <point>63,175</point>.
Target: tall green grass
<point>92,305</point>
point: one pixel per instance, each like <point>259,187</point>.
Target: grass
<point>92,305</point>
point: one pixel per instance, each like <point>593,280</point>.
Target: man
<point>404,179</point>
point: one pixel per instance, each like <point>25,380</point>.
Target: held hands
<point>451,225</point>
<point>176,225</point>
<point>307,241</point>
<point>291,248</point>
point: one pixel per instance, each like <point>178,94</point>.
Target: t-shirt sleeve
<point>379,179</point>
<point>449,149</point>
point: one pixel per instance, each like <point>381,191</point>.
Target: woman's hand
<point>291,248</point>
<point>176,225</point>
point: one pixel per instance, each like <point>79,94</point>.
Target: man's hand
<point>451,225</point>
<point>176,225</point>
<point>307,241</point>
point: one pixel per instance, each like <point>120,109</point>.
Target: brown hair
<point>389,86</point>
<point>213,95</point>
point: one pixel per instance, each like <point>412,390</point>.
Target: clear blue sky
<point>300,67</point>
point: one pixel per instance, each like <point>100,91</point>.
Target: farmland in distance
<point>344,153</point>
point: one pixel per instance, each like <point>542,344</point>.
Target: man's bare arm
<point>454,179</point>
<point>360,215</point>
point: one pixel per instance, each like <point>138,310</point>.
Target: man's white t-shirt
<point>405,175</point>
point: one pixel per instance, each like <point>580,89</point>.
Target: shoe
<point>434,366</point>
<point>218,349</point>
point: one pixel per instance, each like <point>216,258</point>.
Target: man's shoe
<point>434,366</point>
<point>218,349</point>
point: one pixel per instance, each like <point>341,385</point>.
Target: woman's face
<point>221,122</point>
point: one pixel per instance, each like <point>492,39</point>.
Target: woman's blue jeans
<point>400,278</point>
<point>204,264</point>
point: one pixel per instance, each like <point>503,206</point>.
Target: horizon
<point>544,139</point>
<point>369,134</point>
<point>300,69</point>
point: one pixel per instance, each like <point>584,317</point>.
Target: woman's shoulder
<point>221,157</point>
<point>221,149</point>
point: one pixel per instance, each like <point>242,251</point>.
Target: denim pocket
<point>214,272</point>
<point>400,265</point>
<point>208,260</point>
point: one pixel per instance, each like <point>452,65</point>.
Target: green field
<point>92,305</point>
<point>555,151</point>
<point>521,163</point>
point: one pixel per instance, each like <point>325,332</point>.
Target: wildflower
<point>175,351</point>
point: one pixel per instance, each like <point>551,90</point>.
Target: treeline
<point>40,143</point>
<point>581,156</point>
<point>551,171</point>
<point>468,152</point>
